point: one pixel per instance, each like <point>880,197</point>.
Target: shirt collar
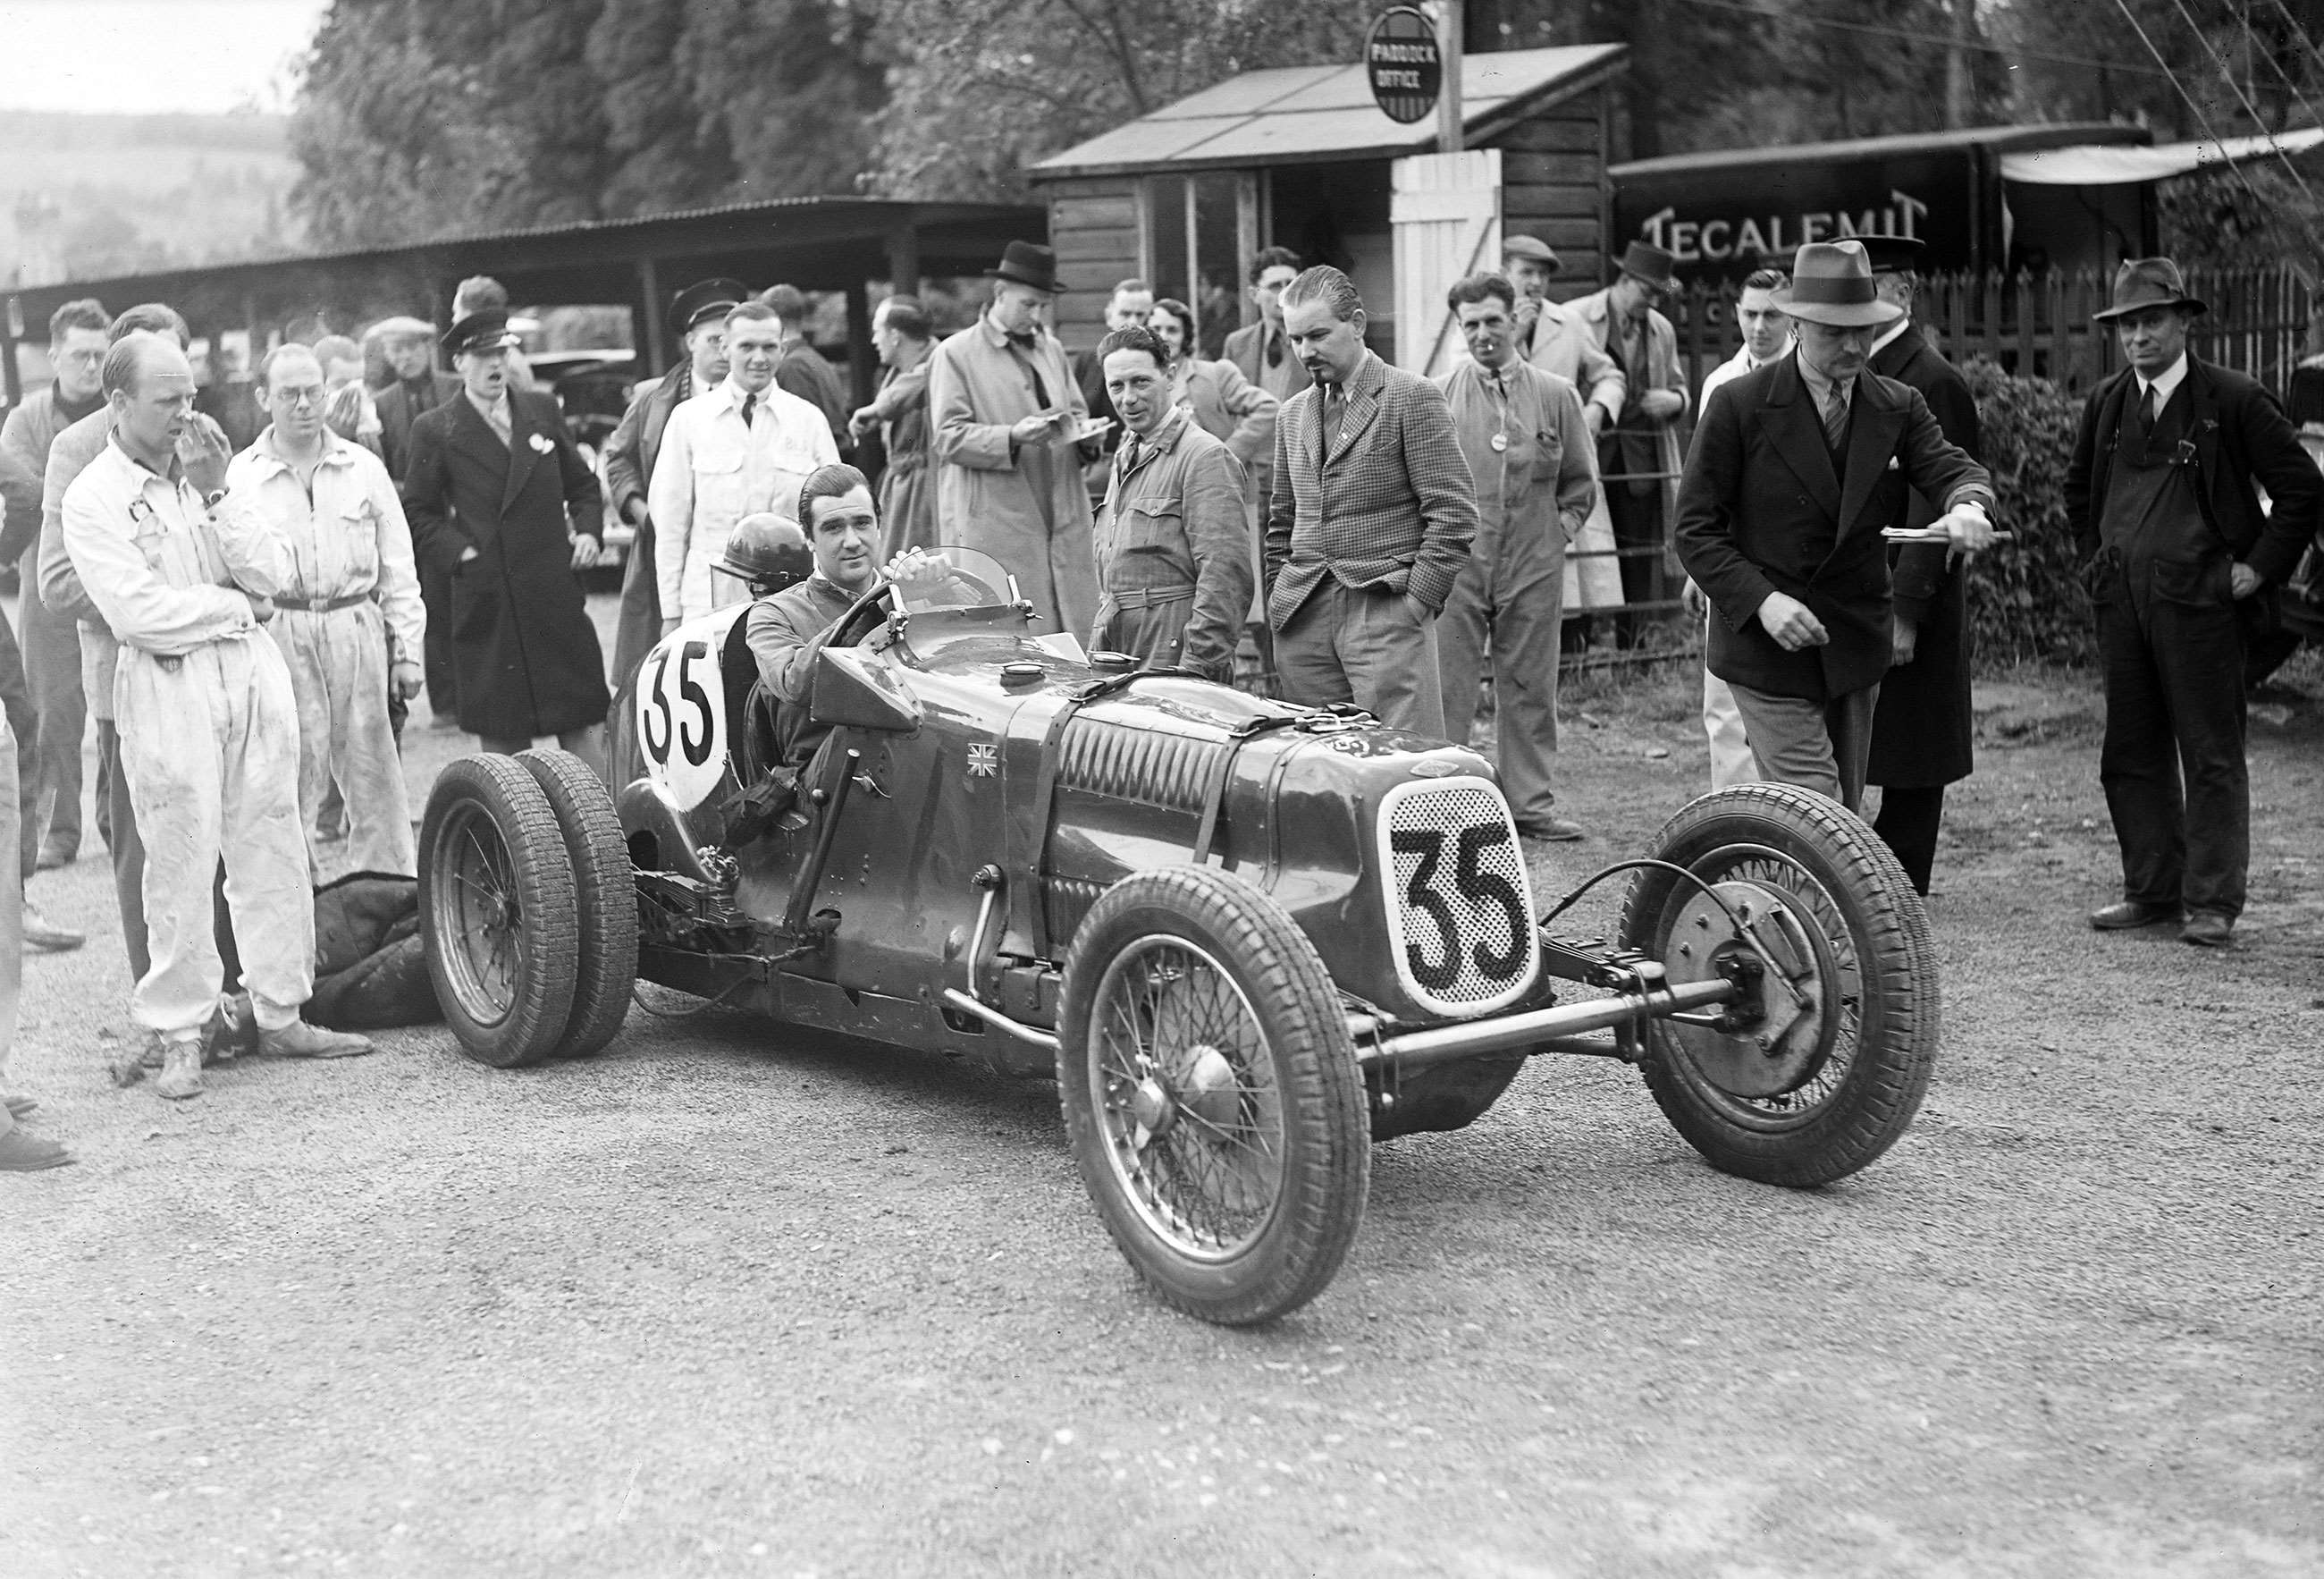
<point>1818,385</point>
<point>1888,335</point>
<point>487,410</point>
<point>733,393</point>
<point>1166,438</point>
<point>138,469</point>
<point>2164,383</point>
<point>336,451</point>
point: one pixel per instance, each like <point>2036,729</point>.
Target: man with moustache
<point>1371,521</point>
<point>739,449</point>
<point>183,573</point>
<point>1173,551</point>
<point>1529,452</point>
<point>2160,494</point>
<point>698,317</point>
<point>503,507</point>
<point>1796,469</point>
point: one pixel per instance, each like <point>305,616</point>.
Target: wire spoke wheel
<point>1215,1106</point>
<point>1805,1101</point>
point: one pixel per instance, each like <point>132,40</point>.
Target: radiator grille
<point>1150,766</point>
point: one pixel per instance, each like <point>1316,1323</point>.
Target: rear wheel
<point>1212,1094</point>
<point>1811,1088</point>
<point>605,894</point>
<point>496,903</point>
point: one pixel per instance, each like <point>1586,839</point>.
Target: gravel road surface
<point>731,1301</point>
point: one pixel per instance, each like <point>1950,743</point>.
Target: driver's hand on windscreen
<point>917,570</point>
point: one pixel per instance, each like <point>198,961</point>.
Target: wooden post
<point>1449,127</point>
<point>655,349</point>
<point>12,327</point>
<point>904,258</point>
<point>863,361</point>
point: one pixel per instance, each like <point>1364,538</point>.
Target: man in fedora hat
<point>504,509</point>
<point>2159,494</point>
<point>1797,468</point>
<point>1638,454</point>
<point>697,316</point>
<point>1011,434</point>
<point>1921,728</point>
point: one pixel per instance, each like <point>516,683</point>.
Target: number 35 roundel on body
<point>682,709</point>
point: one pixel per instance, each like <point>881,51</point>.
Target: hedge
<point>2025,600</point>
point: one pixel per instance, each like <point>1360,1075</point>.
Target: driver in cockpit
<point>786,631</point>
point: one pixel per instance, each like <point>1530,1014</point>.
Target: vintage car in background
<point>1248,939</point>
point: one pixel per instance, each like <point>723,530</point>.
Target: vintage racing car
<point>1247,938</point>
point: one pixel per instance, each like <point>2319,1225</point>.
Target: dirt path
<point>720,1303</point>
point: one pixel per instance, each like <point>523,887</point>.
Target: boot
<point>47,936</point>
<point>22,1153</point>
<point>299,1040</point>
<point>181,1070</point>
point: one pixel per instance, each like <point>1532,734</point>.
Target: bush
<point>2025,600</point>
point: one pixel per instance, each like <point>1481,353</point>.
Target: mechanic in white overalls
<point>209,731</point>
<point>352,587</point>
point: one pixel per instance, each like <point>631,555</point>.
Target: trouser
<point>337,662</point>
<point>1823,746</point>
<point>211,750</point>
<point>1638,526</point>
<point>23,724</point>
<point>1371,646</point>
<point>1153,632</point>
<point>1732,762</point>
<point>435,655</point>
<point>638,626</point>
<point>51,650</point>
<point>1907,824</point>
<point>128,850</point>
<point>2173,763</point>
<point>11,914</point>
<point>1507,607</point>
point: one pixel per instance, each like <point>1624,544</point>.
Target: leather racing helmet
<point>767,552</point>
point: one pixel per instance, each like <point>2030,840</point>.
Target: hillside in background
<point>85,196</point>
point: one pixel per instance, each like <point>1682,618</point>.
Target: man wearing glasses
<point>353,596</point>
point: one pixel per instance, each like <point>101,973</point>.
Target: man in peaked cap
<point>1011,434</point>
<point>697,317</point>
<point>2160,496</point>
<point>1797,468</point>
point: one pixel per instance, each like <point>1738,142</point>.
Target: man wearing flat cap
<point>2179,558</point>
<point>1642,442</point>
<point>1011,434</point>
<point>1921,727</point>
<point>502,506</point>
<point>1797,468</point>
<point>699,317</point>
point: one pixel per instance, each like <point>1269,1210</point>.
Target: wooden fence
<point>2042,324</point>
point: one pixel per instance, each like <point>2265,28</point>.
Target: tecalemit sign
<point>1775,237</point>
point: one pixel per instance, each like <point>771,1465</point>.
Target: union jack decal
<point>983,758</point>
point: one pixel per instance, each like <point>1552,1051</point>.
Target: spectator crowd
<point>246,629</point>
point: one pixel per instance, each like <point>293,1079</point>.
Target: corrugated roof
<point>1908,143</point>
<point>1300,113</point>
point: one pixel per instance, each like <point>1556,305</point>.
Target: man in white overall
<point>209,731</point>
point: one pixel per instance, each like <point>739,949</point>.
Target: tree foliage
<point>2027,601</point>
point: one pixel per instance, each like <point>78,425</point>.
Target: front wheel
<point>1808,1088</point>
<point>1212,1094</point>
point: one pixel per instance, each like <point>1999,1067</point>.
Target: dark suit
<point>804,373</point>
<point>1921,730</point>
<point>525,656</point>
<point>397,412</point>
<point>2170,638</point>
<point>1763,508</point>
<point>630,456</point>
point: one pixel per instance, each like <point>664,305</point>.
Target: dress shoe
<point>1555,829</point>
<point>231,1031</point>
<point>56,853</point>
<point>2208,929</point>
<point>46,936</point>
<point>299,1040</point>
<point>2124,914</point>
<point>181,1070</point>
<point>19,1105</point>
<point>22,1153</point>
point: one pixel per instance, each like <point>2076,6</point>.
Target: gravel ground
<point>727,1300</point>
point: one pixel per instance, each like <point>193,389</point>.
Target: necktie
<point>1333,402</point>
<point>500,420</point>
<point>1274,351</point>
<point>1835,418</point>
<point>750,405</point>
<point>1129,454</point>
<point>2147,409</point>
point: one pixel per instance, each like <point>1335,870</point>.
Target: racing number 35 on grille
<point>1458,890</point>
<point>681,727</point>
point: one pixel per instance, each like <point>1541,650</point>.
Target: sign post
<point>1403,65</point>
<point>1448,99</point>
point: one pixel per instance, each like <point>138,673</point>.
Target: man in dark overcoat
<point>2160,496</point>
<point>698,317</point>
<point>1921,728</point>
<point>493,482</point>
<point>1797,468</point>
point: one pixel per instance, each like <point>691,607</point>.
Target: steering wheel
<point>869,613</point>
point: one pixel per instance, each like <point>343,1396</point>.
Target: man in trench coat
<point>492,481</point>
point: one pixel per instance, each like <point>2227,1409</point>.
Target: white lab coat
<point>348,541</point>
<point>711,472</point>
<point>209,734</point>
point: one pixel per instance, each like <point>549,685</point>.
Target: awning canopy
<point>2092,165</point>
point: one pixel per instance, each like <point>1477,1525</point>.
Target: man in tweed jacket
<point>1369,522</point>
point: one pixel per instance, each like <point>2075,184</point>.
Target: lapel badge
<point>542,443</point>
<point>983,758</point>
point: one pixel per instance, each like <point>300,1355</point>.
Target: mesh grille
<point>1462,904</point>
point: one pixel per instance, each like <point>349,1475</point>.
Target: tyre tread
<point>605,897</point>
